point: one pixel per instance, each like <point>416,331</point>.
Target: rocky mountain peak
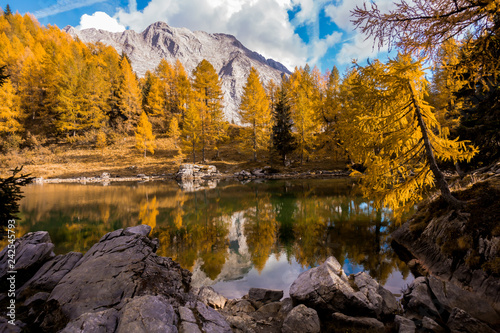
<point>159,41</point>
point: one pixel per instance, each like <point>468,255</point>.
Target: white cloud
<point>357,46</point>
<point>63,6</point>
<point>100,20</point>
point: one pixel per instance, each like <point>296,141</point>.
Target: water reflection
<point>233,236</point>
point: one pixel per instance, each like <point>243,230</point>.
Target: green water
<point>232,237</point>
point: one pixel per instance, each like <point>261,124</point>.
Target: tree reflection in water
<point>225,232</point>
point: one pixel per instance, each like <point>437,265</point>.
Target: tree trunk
<point>429,153</point>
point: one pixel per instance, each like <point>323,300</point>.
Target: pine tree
<point>145,140</point>
<point>208,95</point>
<point>283,139</point>
<point>8,11</point>
<point>407,139</point>
<point>255,112</point>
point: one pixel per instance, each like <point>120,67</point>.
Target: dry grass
<point>65,160</point>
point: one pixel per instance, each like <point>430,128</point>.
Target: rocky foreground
<point>121,285</point>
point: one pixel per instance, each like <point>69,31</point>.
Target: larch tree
<point>10,113</point>
<point>303,101</point>
<point>406,137</point>
<point>183,89</point>
<point>208,95</point>
<point>256,114</point>
<point>129,95</point>
<point>173,130</point>
<point>144,138</point>
<point>191,128</point>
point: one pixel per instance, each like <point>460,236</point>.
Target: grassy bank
<point>68,160</point>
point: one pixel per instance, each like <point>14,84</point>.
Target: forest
<point>57,90</point>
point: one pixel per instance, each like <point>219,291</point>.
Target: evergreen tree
<point>8,11</point>
<point>256,113</point>
<point>283,139</point>
<point>145,140</point>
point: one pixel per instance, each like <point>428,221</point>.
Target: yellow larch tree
<point>304,100</point>
<point>144,138</point>
<point>191,128</point>
<point>154,100</point>
<point>10,112</point>
<point>129,95</point>
<point>256,115</point>
<point>403,138</point>
<point>208,95</point>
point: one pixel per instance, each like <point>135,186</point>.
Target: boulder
<point>212,321</point>
<point>49,275</point>
<point>431,325</point>
<point>418,299</point>
<point>301,319</point>
<point>211,298</point>
<point>94,322</point>
<point>31,252</point>
<point>327,289</point>
<point>382,299</point>
<point>195,171</point>
<point>462,322</point>
<point>348,323</point>
<point>120,266</point>
<point>452,296</point>
<point>147,314</point>
<point>264,296</point>
<point>404,325</point>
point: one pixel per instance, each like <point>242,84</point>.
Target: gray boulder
<point>327,289</point>
<point>348,323</point>
<point>418,299</point>
<point>49,275</point>
<point>211,298</point>
<point>31,252</point>
<point>120,266</point>
<point>264,296</point>
<point>147,314</point>
<point>301,319</point>
<point>212,321</point>
<point>404,325</point>
<point>94,322</point>
<point>462,322</point>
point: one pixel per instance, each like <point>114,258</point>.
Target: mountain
<point>229,57</point>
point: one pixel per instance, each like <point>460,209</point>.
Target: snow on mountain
<point>159,41</point>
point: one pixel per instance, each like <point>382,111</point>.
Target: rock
<point>451,296</point>
<point>186,314</point>
<point>431,325</point>
<point>105,175</point>
<point>340,320</point>
<point>404,325</point>
<point>286,306</point>
<point>270,308</point>
<point>32,251</point>
<point>462,322</point>
<point>5,327</point>
<point>195,171</point>
<point>98,322</point>
<point>264,296</point>
<point>419,300</point>
<point>213,322</point>
<point>242,306</point>
<point>120,266</point>
<point>49,275</point>
<point>301,319</point>
<point>382,299</point>
<point>188,327</point>
<point>243,174</point>
<point>147,314</point>
<point>211,298</point>
<point>326,288</point>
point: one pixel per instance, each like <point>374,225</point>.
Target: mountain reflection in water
<point>234,236</point>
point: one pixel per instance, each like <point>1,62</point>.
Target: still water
<point>232,236</point>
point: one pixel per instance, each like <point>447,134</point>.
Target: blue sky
<point>294,32</point>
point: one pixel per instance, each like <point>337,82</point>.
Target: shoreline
<point>106,178</point>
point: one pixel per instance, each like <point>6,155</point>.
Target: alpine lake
<point>231,235</point>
